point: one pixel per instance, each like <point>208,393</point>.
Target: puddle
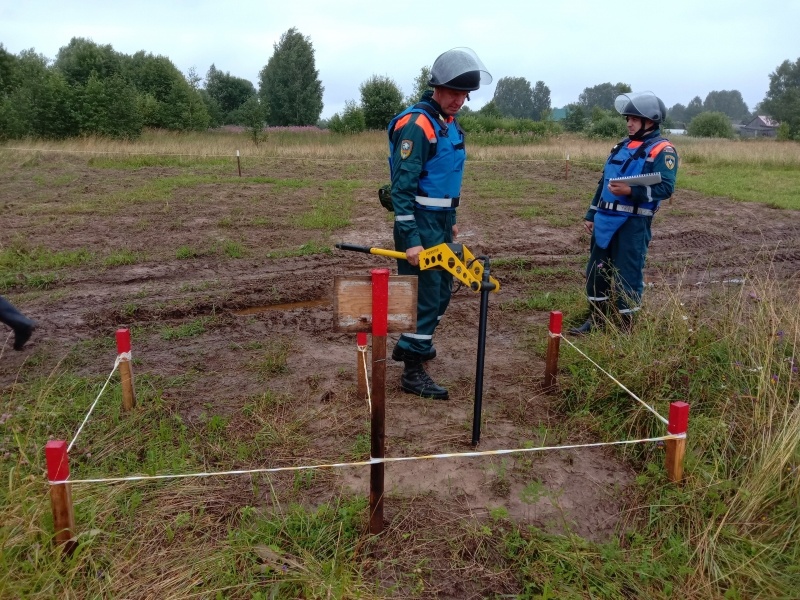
<point>288,306</point>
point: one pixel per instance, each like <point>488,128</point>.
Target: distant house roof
<point>762,122</point>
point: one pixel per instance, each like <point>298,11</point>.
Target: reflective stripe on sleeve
<point>405,218</point>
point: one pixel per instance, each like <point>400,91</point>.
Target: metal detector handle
<point>378,251</point>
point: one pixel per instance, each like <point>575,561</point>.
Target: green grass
<point>272,358</point>
<point>122,257</point>
<point>186,252</point>
<point>739,503</point>
<point>233,249</point>
<point>332,210</point>
<point>22,258</point>
<point>140,161</point>
<point>185,330</point>
<point>776,186</point>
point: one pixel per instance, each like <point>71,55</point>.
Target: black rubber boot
<point>415,380</point>
<point>594,320</point>
<point>23,326</point>
<point>585,329</point>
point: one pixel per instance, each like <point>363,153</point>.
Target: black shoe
<point>401,355</point>
<point>22,333</point>
<point>415,380</point>
<point>585,329</point>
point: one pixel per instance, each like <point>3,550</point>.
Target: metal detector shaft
<point>377,251</point>
<point>476,416</point>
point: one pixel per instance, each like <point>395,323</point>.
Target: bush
<point>493,130</point>
<point>711,125</point>
<point>608,127</point>
<point>351,121</point>
<point>381,100</point>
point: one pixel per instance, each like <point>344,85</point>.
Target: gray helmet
<point>641,104</point>
<point>459,69</point>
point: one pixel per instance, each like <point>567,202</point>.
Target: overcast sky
<point>676,48</point>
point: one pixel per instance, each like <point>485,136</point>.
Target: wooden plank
<point>352,303</point>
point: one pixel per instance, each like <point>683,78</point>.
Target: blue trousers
<point>616,273</point>
<point>434,286</point>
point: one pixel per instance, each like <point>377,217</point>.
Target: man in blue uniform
<point>23,327</point>
<point>621,212</point>
<point>426,146</point>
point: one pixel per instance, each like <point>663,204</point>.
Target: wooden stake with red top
<point>676,449</point>
<point>553,345</point>
<point>125,369</point>
<point>380,317</point>
<point>61,494</point>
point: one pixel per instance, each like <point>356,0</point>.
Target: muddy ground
<point>524,211</point>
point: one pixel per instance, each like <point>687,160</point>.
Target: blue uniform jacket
<point>609,212</point>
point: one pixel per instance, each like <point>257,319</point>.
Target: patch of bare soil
<point>696,240</point>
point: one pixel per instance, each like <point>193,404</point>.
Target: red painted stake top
<point>678,417</point>
<point>555,321</point>
<point>123,341</point>
<point>55,453</point>
<point>361,338</point>
<point>380,301</point>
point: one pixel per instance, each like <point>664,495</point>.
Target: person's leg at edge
<point>23,326</point>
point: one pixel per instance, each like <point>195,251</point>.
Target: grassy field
<point>731,530</point>
<point>747,170</point>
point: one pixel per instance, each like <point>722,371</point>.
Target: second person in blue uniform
<point>620,214</point>
<point>426,156</point>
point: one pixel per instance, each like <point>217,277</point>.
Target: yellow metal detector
<point>457,260</point>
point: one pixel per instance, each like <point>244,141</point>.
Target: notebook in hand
<point>647,179</point>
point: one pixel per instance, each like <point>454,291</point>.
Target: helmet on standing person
<point>645,105</point>
<point>459,69</point>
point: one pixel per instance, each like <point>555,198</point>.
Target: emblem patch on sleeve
<point>669,160</point>
<point>405,149</point>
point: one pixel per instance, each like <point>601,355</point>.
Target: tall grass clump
<point>738,511</point>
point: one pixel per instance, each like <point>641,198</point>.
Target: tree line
<point>91,89</point>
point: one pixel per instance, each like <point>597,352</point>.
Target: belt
<point>437,202</point>
<point>635,210</point>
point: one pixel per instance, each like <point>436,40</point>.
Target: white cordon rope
<point>120,358</point>
<point>371,461</point>
<point>614,379</point>
<point>363,351</point>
